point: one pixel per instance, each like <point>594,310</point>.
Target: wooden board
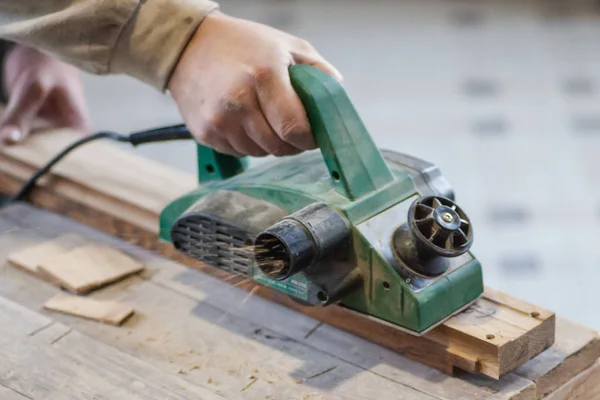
<point>576,349</point>
<point>31,257</point>
<point>107,311</point>
<point>513,327</point>
<point>88,267</point>
<point>582,387</point>
<point>122,195</point>
<point>195,326</point>
<point>9,394</point>
<point>42,359</point>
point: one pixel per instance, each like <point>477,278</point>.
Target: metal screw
<point>447,217</point>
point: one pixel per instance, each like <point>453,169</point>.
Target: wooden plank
<point>30,258</point>
<point>339,343</point>
<point>178,302</point>
<point>511,328</point>
<point>127,204</point>
<point>585,386</point>
<point>9,394</point>
<point>576,349</point>
<point>45,360</point>
<point>89,267</point>
<point>205,345</point>
<point>108,312</point>
<point>110,178</point>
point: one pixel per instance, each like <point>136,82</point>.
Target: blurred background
<point>504,96</point>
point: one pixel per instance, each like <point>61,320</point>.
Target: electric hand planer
<point>374,231</point>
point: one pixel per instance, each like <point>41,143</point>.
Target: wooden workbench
<point>196,337</point>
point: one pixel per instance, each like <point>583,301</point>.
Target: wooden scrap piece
<point>29,258</point>
<point>108,312</point>
<point>89,267</point>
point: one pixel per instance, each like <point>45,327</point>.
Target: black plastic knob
<point>440,226</point>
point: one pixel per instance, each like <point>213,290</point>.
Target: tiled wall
<point>503,95</point>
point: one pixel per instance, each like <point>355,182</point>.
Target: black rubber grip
<point>176,132</point>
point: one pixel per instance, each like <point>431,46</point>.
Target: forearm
<point>140,38</point>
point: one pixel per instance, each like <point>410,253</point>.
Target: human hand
<point>40,87</point>
<point>233,89</point>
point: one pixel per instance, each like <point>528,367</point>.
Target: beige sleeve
<point>140,38</point>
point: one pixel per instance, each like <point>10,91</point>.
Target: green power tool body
<point>374,231</point>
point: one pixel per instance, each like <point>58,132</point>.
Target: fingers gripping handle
<point>355,164</point>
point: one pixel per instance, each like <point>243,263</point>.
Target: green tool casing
<point>374,231</point>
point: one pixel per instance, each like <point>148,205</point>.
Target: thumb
<point>26,100</point>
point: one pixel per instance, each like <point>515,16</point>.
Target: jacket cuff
<point>153,40</point>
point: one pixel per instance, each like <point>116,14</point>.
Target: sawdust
<point>268,257</point>
<point>312,396</point>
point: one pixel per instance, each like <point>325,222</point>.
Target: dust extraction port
<point>284,249</point>
<point>300,240</point>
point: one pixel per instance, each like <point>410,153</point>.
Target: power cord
<point>169,133</point>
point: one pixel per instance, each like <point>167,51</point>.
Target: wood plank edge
<point>572,366</point>
<point>14,173</point>
<point>527,346</point>
<point>82,307</point>
<point>583,386</point>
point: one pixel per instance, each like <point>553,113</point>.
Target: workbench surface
<point>195,337</point>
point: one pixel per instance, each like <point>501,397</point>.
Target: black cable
<point>177,132</point>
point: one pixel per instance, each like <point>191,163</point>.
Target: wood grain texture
<point>29,258</point>
<point>46,360</point>
<point>199,342</point>
<point>208,329</point>
<point>585,386</point>
<point>107,311</point>
<point>9,394</point>
<point>576,349</point>
<point>127,204</point>
<point>506,328</point>
<point>89,267</point>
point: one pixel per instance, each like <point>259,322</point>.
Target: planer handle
<point>355,164</point>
